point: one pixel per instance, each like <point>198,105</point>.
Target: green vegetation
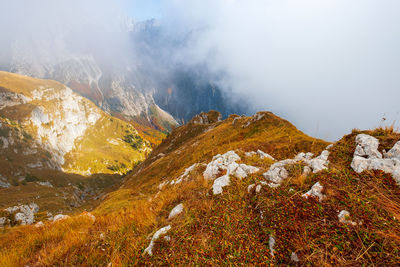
<point>134,141</point>
<point>31,178</point>
<point>233,228</point>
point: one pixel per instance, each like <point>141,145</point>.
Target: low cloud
<point>327,66</point>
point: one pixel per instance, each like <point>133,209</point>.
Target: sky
<point>327,66</point>
<point>145,9</point>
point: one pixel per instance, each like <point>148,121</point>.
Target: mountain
<point>185,87</point>
<point>52,137</point>
<point>121,91</point>
<point>240,191</point>
<point>144,82</point>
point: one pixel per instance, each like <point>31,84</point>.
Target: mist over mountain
<point>202,133</point>
<point>328,66</point>
<point>126,67</point>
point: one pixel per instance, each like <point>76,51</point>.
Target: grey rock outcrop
<point>226,162</point>
<point>367,157</point>
<point>24,214</point>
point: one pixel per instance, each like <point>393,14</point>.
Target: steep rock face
<point>51,118</point>
<point>58,124</point>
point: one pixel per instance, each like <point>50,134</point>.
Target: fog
<point>49,30</point>
<point>328,66</point>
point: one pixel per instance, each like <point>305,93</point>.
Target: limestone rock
<point>3,221</point>
<point>367,157</point>
<point>293,257</point>
<point>321,162</point>
<point>39,224</point>
<point>258,188</point>
<point>220,183</point>
<point>367,146</point>
<point>24,214</point>
<point>218,163</point>
<point>60,217</point>
<point>264,155</point>
<point>156,236</point>
<point>344,217</point>
<point>226,162</point>
<point>315,191</point>
<point>277,172</point>
<point>175,211</point>
<point>394,152</point>
<point>250,187</point>
<point>250,154</point>
<point>207,118</point>
<point>271,244</point>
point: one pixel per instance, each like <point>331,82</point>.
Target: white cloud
<point>326,65</point>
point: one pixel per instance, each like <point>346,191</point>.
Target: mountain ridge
<point>244,190</point>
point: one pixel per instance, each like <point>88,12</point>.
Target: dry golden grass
<point>232,228</point>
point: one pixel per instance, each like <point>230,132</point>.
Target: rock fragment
<point>178,209</point>
<point>315,191</point>
<point>156,236</point>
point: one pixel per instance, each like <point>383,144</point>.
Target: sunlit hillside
<point>232,208</point>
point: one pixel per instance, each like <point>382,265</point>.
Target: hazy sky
<point>325,65</point>
<point>146,9</point>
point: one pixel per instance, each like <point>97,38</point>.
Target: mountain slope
<point>80,137</point>
<point>237,192</point>
<point>121,90</point>
<point>58,150</point>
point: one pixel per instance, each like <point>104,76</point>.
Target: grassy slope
<point>228,229</point>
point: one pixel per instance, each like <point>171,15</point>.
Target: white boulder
<point>226,162</point>
<point>250,154</point>
<point>156,236</point>
<point>178,209</point>
<point>264,155</point>
<point>294,257</point>
<point>60,217</point>
<point>367,146</point>
<point>258,188</point>
<point>367,157</point>
<point>25,214</point>
<point>344,217</point>
<point>250,187</point>
<point>394,152</point>
<point>271,244</point>
<point>277,172</point>
<point>39,224</point>
<point>220,183</point>
<point>321,162</point>
<point>315,191</point>
<point>3,221</point>
<point>219,163</point>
